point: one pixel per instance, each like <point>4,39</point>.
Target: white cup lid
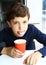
<point>19,41</point>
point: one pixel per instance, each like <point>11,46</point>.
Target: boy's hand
<point>11,51</point>
<point>33,58</point>
<point>16,53</point>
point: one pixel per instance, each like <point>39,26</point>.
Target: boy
<point>17,17</point>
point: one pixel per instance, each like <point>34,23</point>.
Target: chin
<point>20,35</point>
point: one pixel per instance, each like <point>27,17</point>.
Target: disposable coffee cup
<point>20,44</point>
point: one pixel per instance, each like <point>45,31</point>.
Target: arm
<point>2,44</point>
<point>34,57</point>
<point>40,37</point>
<point>11,51</point>
<point>6,50</point>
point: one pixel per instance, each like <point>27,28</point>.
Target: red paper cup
<point>20,44</point>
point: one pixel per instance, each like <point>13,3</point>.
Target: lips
<point>21,32</point>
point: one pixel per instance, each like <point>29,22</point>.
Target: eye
<point>16,22</point>
<point>25,22</point>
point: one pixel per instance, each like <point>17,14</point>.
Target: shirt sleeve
<point>1,36</point>
<point>2,44</point>
<point>43,51</point>
<point>40,37</point>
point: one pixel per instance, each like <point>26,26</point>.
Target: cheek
<point>14,28</point>
<point>25,27</point>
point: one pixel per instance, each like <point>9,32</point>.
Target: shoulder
<point>5,30</point>
<point>31,26</point>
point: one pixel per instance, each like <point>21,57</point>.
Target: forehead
<point>20,18</point>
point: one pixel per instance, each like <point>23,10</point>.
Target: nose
<point>20,26</point>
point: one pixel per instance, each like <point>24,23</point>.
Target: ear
<point>8,23</point>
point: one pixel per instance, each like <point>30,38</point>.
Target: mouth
<point>21,32</point>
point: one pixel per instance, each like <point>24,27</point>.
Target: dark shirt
<point>7,36</point>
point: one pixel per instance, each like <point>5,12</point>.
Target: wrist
<point>39,53</point>
<point>6,50</point>
<point>9,49</point>
<point>1,50</point>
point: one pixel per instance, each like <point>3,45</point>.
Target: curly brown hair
<point>17,10</point>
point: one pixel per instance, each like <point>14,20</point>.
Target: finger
<point>33,60</point>
<point>25,61</point>
<point>28,59</point>
<point>18,51</point>
<point>16,55</point>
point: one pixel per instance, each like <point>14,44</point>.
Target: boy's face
<point>19,25</point>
